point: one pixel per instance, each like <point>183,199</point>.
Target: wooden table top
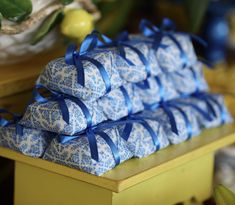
<point>21,77</point>
<point>135,171</point>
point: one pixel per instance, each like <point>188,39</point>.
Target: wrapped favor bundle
<point>117,99</point>
<point>173,50</point>
<point>68,115</point>
<point>111,147</point>
<point>110,150</point>
<point>28,141</point>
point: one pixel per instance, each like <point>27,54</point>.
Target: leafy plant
<point>49,23</point>
<point>65,2</point>
<point>1,17</point>
<point>224,196</point>
<point>16,10</point>
<point>195,11</point>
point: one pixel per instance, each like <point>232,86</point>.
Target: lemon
<point>76,24</point>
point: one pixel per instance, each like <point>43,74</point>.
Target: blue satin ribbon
<point>15,119</point>
<point>143,84</point>
<point>207,99</point>
<point>99,130</point>
<point>167,29</point>
<point>60,99</point>
<point>73,57</point>
<point>186,120</point>
<point>210,100</point>
<point>166,106</point>
<point>127,100</point>
<point>121,42</point>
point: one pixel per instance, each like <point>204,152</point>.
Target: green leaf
<point>65,2</point>
<point>114,16</point>
<point>49,23</point>
<point>16,10</point>
<point>223,196</point>
<point>1,20</point>
<point>195,11</point>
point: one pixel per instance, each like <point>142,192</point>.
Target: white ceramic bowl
<point>17,48</point>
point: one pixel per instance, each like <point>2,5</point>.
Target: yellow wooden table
<point>176,174</point>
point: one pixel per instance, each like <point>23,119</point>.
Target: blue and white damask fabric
<point>140,142</point>
<point>219,112</point>
<point>48,116</point>
<point>160,88</point>
<point>114,104</point>
<point>76,153</point>
<point>32,143</point>
<point>184,133</point>
<point>170,59</point>
<point>62,77</point>
<point>138,71</point>
<point>189,80</point>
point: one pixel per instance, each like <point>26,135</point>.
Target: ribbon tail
<point>152,134</point>
<point>64,110</point>
<point>182,53</point>
<point>65,138</point>
<point>127,131</point>
<point>171,118</point>
<point>112,146</point>
<point>93,145</point>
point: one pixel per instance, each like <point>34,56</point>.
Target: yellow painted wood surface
<point>135,171</point>
<point>222,80</point>
<point>21,77</point>
<point>16,103</point>
<point>35,186</point>
<point>191,180</point>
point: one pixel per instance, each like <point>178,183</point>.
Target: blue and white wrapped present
<point>139,61</point>
<point>189,80</point>
<point>178,120</point>
<point>214,105</point>
<point>25,140</point>
<point>121,102</point>
<point>110,150</point>
<point>86,74</point>
<point>156,89</point>
<point>62,114</point>
<point>177,52</point>
<point>144,136</point>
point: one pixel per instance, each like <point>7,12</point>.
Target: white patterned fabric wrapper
<point>47,116</point>
<point>152,94</point>
<point>216,120</point>
<point>62,77</point>
<point>114,103</point>
<point>140,142</point>
<point>169,58</point>
<point>185,82</point>
<point>137,72</point>
<point>76,153</point>
<point>183,133</point>
<point>32,143</point>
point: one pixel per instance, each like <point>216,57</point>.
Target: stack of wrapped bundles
<point>117,99</point>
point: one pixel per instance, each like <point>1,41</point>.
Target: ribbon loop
<point>76,58</point>
<point>166,29</point>
<point>60,99</point>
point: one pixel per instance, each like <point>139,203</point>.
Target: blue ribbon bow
<point>167,107</point>
<point>76,58</point>
<point>60,99</point>
<point>210,100</point>
<point>15,119</point>
<point>167,29</point>
<point>120,43</point>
